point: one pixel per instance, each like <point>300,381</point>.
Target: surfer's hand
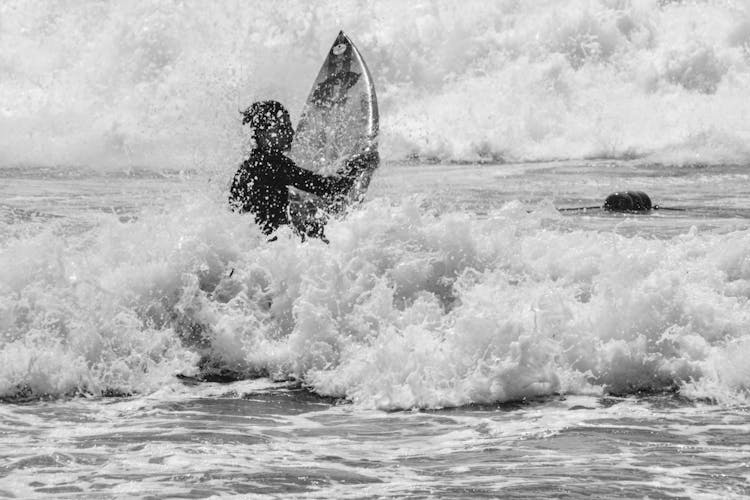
<point>359,163</point>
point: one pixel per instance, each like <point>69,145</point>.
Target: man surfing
<point>260,184</point>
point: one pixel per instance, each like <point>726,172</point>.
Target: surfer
<point>260,184</point>
<point>628,201</point>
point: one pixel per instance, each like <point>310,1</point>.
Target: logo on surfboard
<point>338,49</point>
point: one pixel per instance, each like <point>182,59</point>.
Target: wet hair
<point>628,201</point>
<point>261,114</point>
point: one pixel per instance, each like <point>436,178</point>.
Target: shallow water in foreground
<point>247,439</point>
<point>453,293</point>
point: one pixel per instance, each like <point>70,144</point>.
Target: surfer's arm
<point>331,186</point>
<point>310,181</point>
<point>352,170</point>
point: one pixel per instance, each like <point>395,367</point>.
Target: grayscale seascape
<point>458,337</point>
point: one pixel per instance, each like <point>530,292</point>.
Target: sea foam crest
<point>404,308</point>
<point>158,84</point>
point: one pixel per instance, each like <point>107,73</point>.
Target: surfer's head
<point>272,127</point>
<point>628,201</point>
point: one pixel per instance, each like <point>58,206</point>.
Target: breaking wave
<point>405,308</point>
<point>158,83</point>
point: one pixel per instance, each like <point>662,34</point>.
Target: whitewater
<point>458,336</point>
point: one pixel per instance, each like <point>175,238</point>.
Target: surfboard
<point>338,122</point>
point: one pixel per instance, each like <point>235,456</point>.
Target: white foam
<point>404,308</point>
<point>139,84</point>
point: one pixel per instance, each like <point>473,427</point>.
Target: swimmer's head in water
<point>272,127</point>
<point>628,201</point>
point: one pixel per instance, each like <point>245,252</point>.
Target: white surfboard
<point>339,121</point>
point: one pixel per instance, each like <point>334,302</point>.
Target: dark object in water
<point>628,201</point>
<point>633,202</point>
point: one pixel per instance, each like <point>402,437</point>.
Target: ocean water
<point>459,336</point>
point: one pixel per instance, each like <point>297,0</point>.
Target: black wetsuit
<point>260,186</point>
